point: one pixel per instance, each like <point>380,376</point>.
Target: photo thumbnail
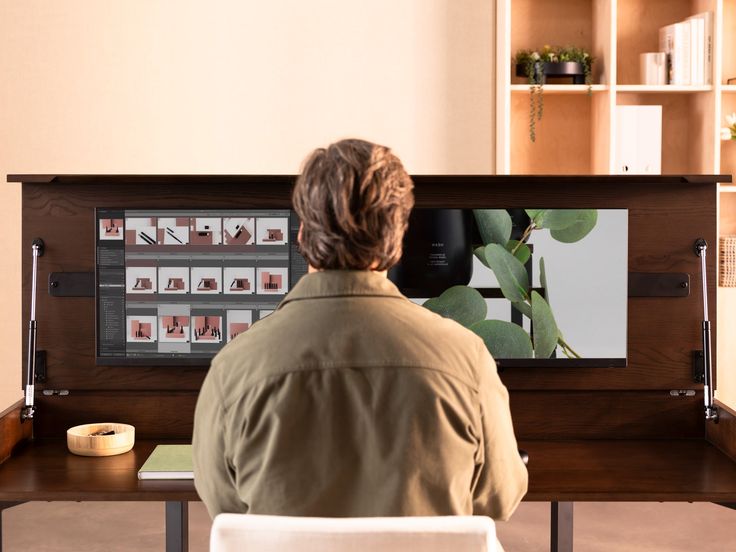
<point>207,329</point>
<point>140,279</point>
<point>239,280</point>
<point>239,230</point>
<point>205,231</point>
<point>140,231</point>
<point>173,328</point>
<point>141,328</point>
<point>273,281</point>
<point>173,279</point>
<point>111,229</point>
<point>206,279</point>
<point>238,321</point>
<point>173,230</point>
<point>272,231</point>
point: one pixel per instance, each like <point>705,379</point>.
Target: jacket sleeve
<point>213,474</point>
<point>503,478</point>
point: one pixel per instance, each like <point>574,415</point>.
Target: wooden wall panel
<point>606,414</point>
<point>723,433</point>
<point>536,414</point>
<point>13,432</point>
<point>155,415</point>
<point>665,217</point>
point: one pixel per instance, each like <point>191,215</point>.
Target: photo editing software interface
<point>174,287</point>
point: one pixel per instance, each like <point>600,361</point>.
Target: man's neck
<point>383,273</point>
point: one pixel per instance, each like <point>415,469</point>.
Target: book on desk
<point>168,462</point>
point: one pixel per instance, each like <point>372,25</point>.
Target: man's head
<point>354,200</point>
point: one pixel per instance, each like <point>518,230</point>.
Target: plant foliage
<point>533,64</point>
<point>506,257</point>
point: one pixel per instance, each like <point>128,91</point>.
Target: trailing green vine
<point>532,63</point>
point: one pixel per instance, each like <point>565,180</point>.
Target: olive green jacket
<point>350,400</point>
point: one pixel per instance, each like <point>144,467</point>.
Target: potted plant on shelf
<point>536,66</point>
<point>729,132</point>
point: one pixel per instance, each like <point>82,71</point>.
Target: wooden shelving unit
<point>577,134</point>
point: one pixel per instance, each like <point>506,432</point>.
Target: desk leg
<point>5,506</point>
<point>177,526</point>
<point>561,524</point>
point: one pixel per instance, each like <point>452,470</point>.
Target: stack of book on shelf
<point>689,48</point>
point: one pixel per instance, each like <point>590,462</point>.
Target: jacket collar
<point>342,283</point>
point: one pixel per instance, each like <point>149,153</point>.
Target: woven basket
<point>727,268</point>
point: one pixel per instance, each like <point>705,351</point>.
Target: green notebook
<point>168,462</point>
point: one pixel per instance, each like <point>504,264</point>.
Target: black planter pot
<point>437,252</point>
<point>542,70</point>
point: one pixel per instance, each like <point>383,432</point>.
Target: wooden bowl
<point>79,439</point>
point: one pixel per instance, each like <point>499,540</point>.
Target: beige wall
<point>230,87</point>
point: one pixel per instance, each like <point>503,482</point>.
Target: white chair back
<point>254,533</point>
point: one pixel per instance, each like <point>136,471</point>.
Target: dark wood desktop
<point>592,434</point>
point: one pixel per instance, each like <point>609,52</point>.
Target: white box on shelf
<point>638,139</point>
<point>653,68</point>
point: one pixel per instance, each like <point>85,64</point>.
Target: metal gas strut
<point>711,410</point>
<point>29,409</point>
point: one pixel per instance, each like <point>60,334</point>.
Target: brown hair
<point>354,200</point>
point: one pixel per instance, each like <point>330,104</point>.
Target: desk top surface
<point>445,179</point>
<point>691,470</point>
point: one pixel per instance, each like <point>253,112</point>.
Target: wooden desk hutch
<point>593,434</point>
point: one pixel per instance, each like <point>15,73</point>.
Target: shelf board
<point>729,88</point>
<point>560,88</point>
<point>662,88</point>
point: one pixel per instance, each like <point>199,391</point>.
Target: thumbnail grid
<point>206,280</point>
<point>181,326</point>
<point>180,284</point>
<point>194,231</point>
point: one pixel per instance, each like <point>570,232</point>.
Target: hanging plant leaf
<point>523,308</point>
<point>534,214</point>
<point>510,273</point>
<point>586,221</point>
<point>559,219</point>
<point>504,339</point>
<point>522,250</point>
<point>546,332</point>
<point>460,303</point>
<point>494,225</point>
<point>543,278</point>
<point>480,252</point>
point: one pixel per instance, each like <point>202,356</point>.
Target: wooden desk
<point>46,470</point>
<point>666,214</point>
<point>561,472</point>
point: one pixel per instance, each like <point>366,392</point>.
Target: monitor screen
<point>174,286</point>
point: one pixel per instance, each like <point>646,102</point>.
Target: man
<point>350,400</point>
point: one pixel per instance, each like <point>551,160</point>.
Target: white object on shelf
<point>653,68</point>
<point>638,139</point>
<point>674,40</point>
<point>697,50</point>
<point>706,45</point>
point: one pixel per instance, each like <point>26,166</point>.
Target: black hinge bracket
<point>698,367</point>
<point>659,284</point>
<point>72,284</point>
<point>40,367</point>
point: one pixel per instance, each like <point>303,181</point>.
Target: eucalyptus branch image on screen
<point>174,286</point>
<point>541,287</point>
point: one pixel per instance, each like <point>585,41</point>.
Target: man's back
<point>350,400</point>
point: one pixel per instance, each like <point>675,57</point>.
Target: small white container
<point>653,68</point>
